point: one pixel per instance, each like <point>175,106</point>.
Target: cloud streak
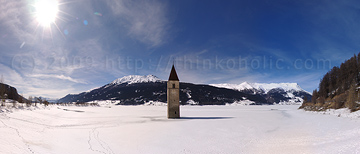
<point>62,77</point>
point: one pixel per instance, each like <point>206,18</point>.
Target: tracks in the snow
<point>94,141</point>
<point>96,144</point>
<point>18,134</point>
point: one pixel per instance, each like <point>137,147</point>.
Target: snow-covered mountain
<point>292,91</point>
<point>264,87</point>
<point>136,89</point>
<point>131,79</point>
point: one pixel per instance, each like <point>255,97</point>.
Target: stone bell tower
<point>173,95</point>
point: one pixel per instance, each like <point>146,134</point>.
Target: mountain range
<point>137,90</point>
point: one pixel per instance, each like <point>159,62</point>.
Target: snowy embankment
<point>343,112</point>
<point>13,106</point>
<point>202,129</point>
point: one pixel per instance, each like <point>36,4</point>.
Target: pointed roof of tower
<point>173,76</point>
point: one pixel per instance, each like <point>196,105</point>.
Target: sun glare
<point>46,11</point>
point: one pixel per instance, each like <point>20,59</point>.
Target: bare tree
<point>28,103</point>
<point>46,103</point>
<point>35,101</point>
<point>14,103</point>
<point>38,100</point>
<point>352,97</point>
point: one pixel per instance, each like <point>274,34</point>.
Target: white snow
<point>242,102</point>
<point>266,87</point>
<point>192,102</point>
<point>203,129</point>
<point>155,103</point>
<point>136,79</point>
<point>293,101</point>
<point>91,89</point>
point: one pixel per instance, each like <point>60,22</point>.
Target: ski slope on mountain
<point>202,129</point>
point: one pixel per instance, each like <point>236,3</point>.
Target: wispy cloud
<point>10,75</point>
<point>146,21</point>
<point>37,86</point>
<point>14,16</point>
<point>62,77</point>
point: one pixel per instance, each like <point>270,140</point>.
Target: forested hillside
<point>338,88</point>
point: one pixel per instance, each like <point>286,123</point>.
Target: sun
<point>46,11</point>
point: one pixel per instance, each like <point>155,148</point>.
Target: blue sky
<point>94,42</point>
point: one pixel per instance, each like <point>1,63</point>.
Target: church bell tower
<point>173,95</point>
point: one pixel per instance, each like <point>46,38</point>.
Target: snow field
<point>203,129</point>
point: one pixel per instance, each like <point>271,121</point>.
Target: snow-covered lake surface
<point>203,129</point>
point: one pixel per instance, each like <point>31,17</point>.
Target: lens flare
<point>46,11</point>
<point>98,14</point>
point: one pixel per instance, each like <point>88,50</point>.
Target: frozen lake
<point>203,129</point>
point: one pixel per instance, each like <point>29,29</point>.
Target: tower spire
<point>173,74</point>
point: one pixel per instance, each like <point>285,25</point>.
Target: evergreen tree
<point>314,96</point>
<point>340,84</point>
<point>305,99</point>
<point>333,85</point>
<point>324,86</point>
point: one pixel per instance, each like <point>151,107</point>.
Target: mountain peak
<point>285,86</point>
<point>266,87</point>
<point>130,79</point>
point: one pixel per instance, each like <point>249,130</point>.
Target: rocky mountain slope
<point>9,92</point>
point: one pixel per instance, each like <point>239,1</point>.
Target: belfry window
<point>173,85</point>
